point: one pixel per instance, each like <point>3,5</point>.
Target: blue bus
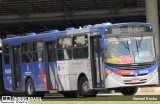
<point>80,62</point>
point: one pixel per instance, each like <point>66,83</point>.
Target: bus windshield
<point>131,49</point>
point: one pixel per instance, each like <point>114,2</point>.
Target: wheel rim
<point>30,89</point>
<point>129,89</point>
<point>85,87</point>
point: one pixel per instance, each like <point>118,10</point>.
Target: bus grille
<point>133,66</point>
<point>129,82</point>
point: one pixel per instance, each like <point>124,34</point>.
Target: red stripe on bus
<point>105,74</point>
<point>127,72</point>
<point>43,78</point>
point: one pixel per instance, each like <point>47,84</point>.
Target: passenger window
<point>51,51</point>
<point>38,51</point>
<point>27,52</point>
<point>80,47</point>
<point>6,54</point>
<point>64,48</point>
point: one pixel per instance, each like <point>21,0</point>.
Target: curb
<point>149,89</point>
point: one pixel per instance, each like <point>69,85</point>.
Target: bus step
<point>99,89</point>
<point>17,91</point>
<point>53,91</point>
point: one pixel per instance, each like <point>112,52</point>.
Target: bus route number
<point>143,71</point>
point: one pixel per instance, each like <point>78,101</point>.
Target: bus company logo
<point>7,99</point>
<point>7,71</point>
<point>133,73</point>
<point>14,100</point>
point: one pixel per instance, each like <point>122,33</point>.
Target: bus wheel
<point>70,94</point>
<point>84,89</point>
<point>30,90</point>
<point>129,90</point>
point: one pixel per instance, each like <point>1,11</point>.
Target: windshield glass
<point>126,50</point>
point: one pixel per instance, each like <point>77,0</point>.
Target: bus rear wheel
<point>84,89</point>
<point>70,94</point>
<point>30,90</point>
<point>129,90</point>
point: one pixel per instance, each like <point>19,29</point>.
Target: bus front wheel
<point>129,90</point>
<point>30,90</point>
<point>84,89</point>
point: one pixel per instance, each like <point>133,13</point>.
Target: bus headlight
<point>112,74</point>
<point>117,76</point>
<point>153,73</point>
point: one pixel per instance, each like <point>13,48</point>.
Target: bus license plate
<point>135,80</point>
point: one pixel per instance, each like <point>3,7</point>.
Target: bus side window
<point>51,51</point>
<point>80,47</point>
<point>26,52</point>
<point>6,54</point>
<point>64,48</point>
<point>38,51</point>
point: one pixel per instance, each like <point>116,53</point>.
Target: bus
<point>81,62</point>
<point>1,79</point>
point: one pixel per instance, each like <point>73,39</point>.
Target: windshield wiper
<point>125,45</point>
<point>138,44</point>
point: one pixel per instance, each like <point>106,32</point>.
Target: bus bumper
<point>120,81</point>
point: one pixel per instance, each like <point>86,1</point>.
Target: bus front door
<point>96,62</point>
<point>50,59</point>
<point>16,70</point>
<point>1,76</point>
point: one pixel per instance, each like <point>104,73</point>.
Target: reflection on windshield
<point>129,50</point>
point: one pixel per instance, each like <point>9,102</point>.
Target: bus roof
<point>68,31</point>
<point>126,23</point>
<point>34,36</point>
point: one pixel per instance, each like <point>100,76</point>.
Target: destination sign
<point>128,29</point>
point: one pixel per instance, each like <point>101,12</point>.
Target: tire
<point>30,89</point>
<point>129,90</point>
<point>70,94</point>
<point>84,90</point>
